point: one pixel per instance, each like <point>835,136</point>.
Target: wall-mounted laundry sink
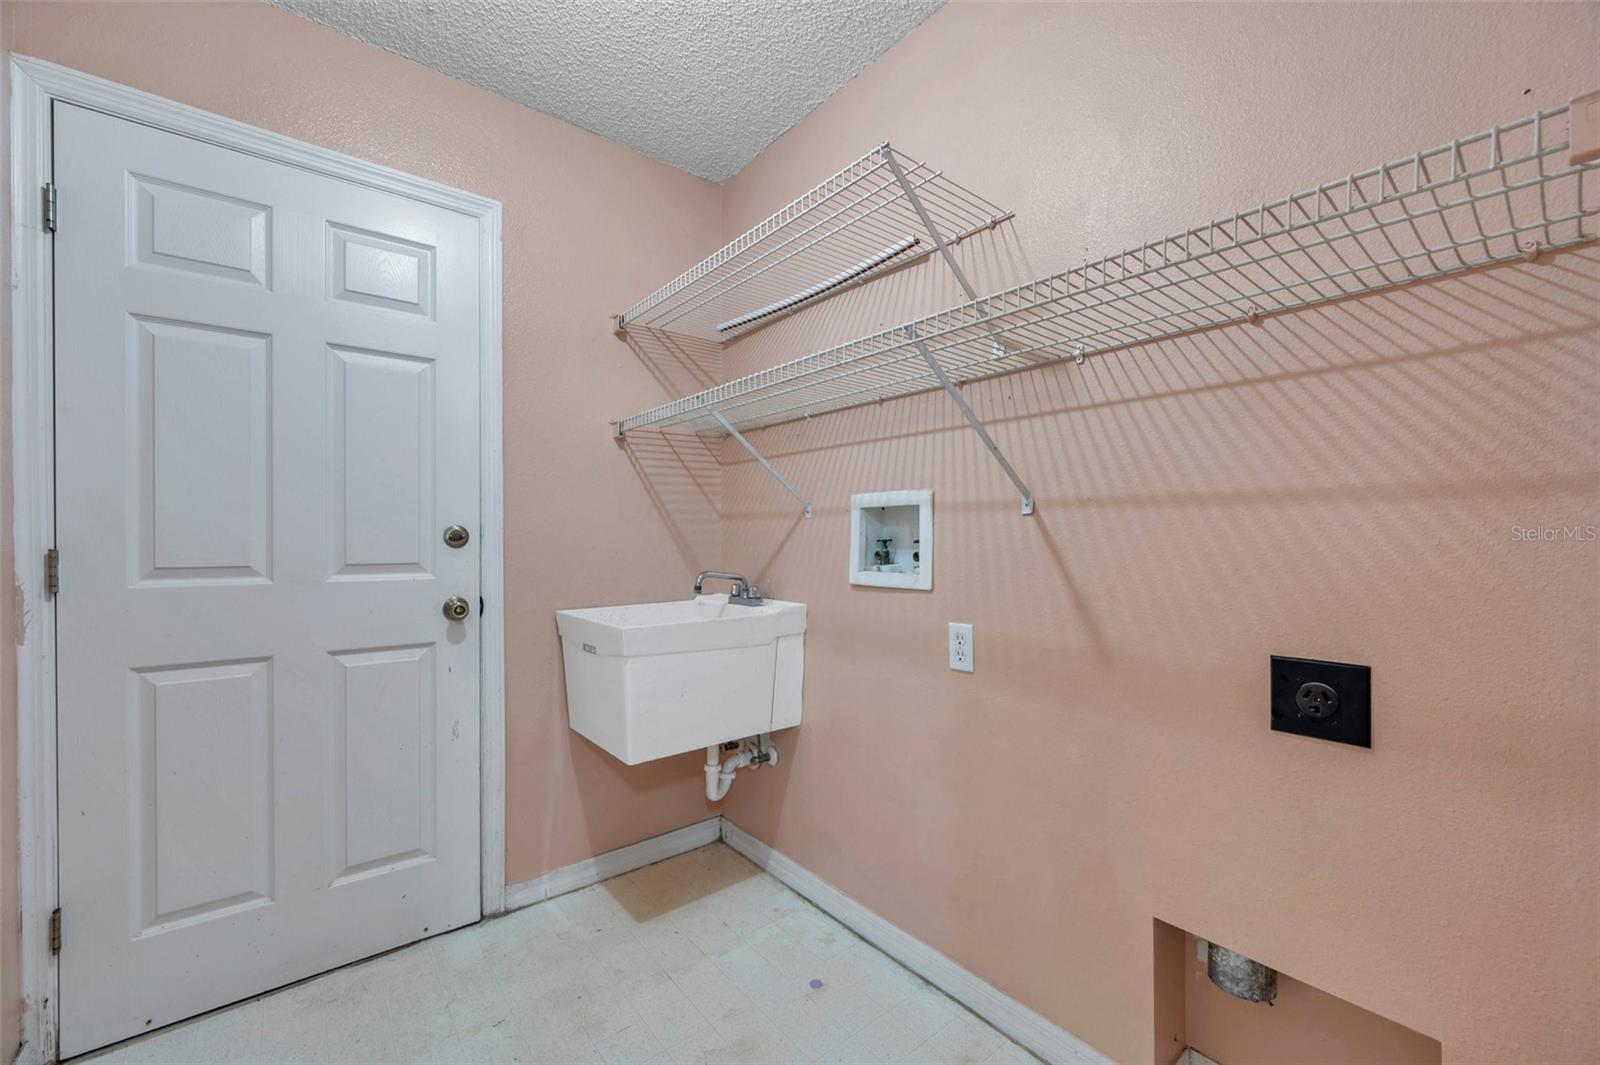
<point>655,679</point>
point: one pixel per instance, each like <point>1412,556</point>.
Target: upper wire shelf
<point>1507,193</point>
<point>856,224</point>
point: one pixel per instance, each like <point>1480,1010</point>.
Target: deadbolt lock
<point>456,536</point>
<point>456,608</point>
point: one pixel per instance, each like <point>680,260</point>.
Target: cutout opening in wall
<point>1197,1021</point>
<point>891,539</point>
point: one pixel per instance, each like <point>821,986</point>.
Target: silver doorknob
<point>456,608</point>
<point>456,536</point>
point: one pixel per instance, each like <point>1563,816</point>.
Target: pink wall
<point>1110,762</point>
<point>582,525</point>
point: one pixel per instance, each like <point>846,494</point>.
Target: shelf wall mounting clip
<point>788,486</point>
<point>972,419</point>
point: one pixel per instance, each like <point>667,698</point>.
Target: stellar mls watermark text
<point>1554,534</point>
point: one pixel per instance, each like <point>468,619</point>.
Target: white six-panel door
<point>266,417</point>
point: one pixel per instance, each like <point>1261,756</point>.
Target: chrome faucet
<point>743,593</point>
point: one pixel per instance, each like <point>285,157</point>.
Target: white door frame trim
<point>35,84</point>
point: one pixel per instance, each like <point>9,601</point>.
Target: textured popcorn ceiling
<point>701,84</point>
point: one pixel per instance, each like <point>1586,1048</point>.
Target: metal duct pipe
<point>1240,976</point>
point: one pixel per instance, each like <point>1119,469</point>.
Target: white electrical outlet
<point>961,646</point>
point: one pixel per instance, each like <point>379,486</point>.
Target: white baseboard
<point>613,863</point>
<point>1051,1042</point>
<point>1191,1056</point>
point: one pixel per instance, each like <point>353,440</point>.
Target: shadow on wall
<point>1386,334</point>
<point>682,474</point>
<point>1236,418</point>
<point>679,471</point>
<point>680,364</point>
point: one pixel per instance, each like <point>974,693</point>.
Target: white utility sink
<point>656,679</point>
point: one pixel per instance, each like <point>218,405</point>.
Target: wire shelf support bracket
<point>972,419</point>
<point>788,486</point>
<point>933,363</point>
<point>927,222</point>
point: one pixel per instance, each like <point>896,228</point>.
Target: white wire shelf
<point>855,225</point>
<point>1507,193</point>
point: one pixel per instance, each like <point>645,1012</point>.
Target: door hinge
<point>51,206</point>
<point>52,573</point>
<point>55,930</point>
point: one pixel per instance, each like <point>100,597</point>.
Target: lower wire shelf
<point>1511,192</point>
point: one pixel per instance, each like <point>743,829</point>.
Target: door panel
<point>204,790</point>
<point>184,228</point>
<point>205,488</point>
<point>266,415</point>
<point>385,766</point>
<point>381,270</point>
<point>383,461</point>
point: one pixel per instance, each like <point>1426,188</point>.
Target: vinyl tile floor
<point>700,958</point>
